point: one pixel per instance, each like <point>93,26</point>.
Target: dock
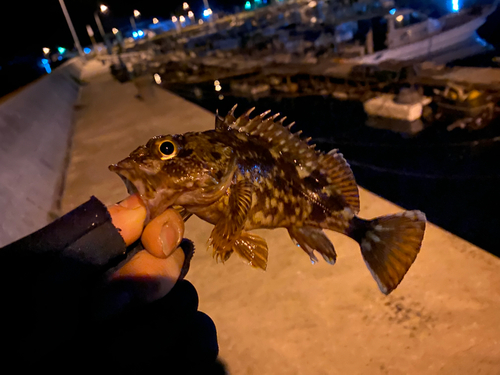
<point>299,318</point>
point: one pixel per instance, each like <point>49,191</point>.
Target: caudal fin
<point>389,245</point>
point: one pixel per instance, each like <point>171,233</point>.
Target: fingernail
<point>170,237</point>
<point>133,202</point>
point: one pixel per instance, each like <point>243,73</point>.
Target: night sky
<point>27,27</point>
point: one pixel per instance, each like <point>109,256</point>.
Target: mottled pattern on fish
<point>252,173</point>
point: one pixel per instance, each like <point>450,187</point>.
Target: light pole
<point>207,12</point>
<point>71,28</point>
<point>103,8</point>
<point>92,39</point>
<point>137,14</point>
<point>176,24</point>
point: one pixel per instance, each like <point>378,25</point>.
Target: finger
<point>145,278</point>
<point>128,217</point>
<point>160,274</point>
<point>163,234</point>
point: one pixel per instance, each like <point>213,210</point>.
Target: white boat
<point>410,35</point>
<point>384,105</point>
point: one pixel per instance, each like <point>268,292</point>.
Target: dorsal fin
<point>340,176</point>
<point>220,124</point>
<point>332,165</point>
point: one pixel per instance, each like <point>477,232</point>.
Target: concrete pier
<point>298,318</point>
<point>35,129</point>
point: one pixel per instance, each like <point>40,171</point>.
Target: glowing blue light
<point>140,32</point>
<point>206,13</point>
<point>248,5</point>
<point>46,65</point>
<point>455,6</point>
<point>87,50</point>
<point>481,41</point>
<point>392,11</point>
<point>61,50</point>
<point>134,34</point>
<point>59,58</point>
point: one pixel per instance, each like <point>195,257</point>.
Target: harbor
<point>304,49</point>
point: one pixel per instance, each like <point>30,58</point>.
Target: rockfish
<point>251,173</point>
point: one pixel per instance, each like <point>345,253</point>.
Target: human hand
<point>151,273</point>
<point>169,329</point>
<point>57,313</point>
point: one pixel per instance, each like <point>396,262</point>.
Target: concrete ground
<point>298,318</point>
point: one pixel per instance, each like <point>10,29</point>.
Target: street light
<point>155,20</point>
<point>176,24</point>
<point>185,6</point>
<point>103,9</point>
<point>137,14</point>
<point>191,16</point>
<point>182,19</point>
<point>115,30</point>
<point>71,28</point>
<point>46,50</point>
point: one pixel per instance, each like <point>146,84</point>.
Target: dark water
<point>21,71</point>
<point>13,77</point>
<point>454,177</point>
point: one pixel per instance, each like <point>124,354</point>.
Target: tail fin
<point>389,245</point>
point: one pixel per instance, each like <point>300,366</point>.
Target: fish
<point>253,172</point>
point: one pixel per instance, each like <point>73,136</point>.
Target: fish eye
<point>168,149</point>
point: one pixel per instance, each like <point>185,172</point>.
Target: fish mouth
<point>141,186</point>
<point>131,189</point>
<point>134,185</point>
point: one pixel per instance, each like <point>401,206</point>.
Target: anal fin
<point>310,239</point>
<point>253,249</point>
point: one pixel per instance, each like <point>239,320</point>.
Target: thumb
<point>128,217</point>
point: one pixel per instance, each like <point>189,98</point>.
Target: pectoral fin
<point>310,239</point>
<point>229,228</point>
<point>253,249</point>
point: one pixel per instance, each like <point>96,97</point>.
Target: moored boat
<point>410,35</point>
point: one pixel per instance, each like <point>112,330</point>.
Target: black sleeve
<point>85,235</point>
<point>48,277</point>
